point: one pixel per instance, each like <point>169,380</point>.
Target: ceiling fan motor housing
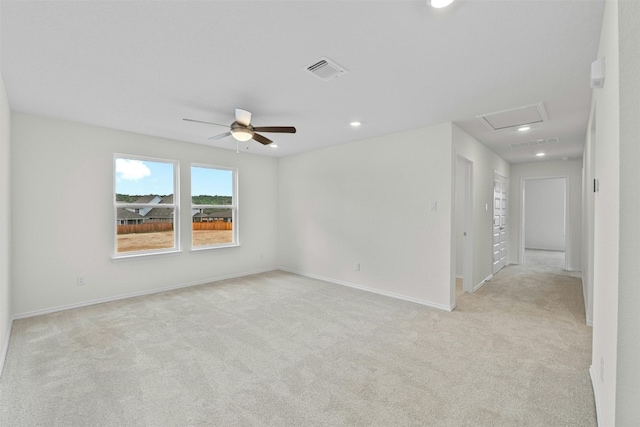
<point>240,132</point>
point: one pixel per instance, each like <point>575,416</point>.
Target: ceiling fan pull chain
<point>237,149</point>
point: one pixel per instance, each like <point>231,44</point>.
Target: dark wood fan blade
<point>261,139</point>
<point>209,123</point>
<point>278,129</point>
<point>222,135</point>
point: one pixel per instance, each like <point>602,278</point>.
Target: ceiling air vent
<point>326,69</point>
<point>525,144</point>
<point>514,118</point>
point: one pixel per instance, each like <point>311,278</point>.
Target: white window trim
<point>122,256</point>
<point>234,209</point>
<point>156,253</point>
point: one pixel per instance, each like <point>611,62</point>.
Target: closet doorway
<point>463,214</point>
<point>544,222</point>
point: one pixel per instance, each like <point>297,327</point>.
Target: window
<point>146,205</point>
<point>214,206</point>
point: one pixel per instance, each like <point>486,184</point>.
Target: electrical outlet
<point>434,206</point>
<point>80,280</point>
<point>357,268</point>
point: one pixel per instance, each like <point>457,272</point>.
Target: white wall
<point>628,364</point>
<point>607,222</point>
<point>5,223</point>
<point>588,216</point>
<point>63,216</point>
<point>485,162</point>
<point>573,170</point>
<point>368,202</point>
<point>544,214</point>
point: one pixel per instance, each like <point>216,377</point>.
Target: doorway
<point>544,222</point>
<point>463,215</point>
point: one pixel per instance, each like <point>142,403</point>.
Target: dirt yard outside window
<point>164,240</point>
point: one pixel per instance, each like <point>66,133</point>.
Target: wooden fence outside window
<point>156,227</point>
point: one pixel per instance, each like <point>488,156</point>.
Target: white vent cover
<point>516,117</point>
<point>526,144</point>
<point>325,69</point>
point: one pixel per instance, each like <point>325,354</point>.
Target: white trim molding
<point>136,294</point>
<point>372,290</point>
<point>594,385</point>
<point>481,284</point>
<point>5,348</point>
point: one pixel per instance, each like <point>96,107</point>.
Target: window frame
<point>234,207</point>
<point>118,256</point>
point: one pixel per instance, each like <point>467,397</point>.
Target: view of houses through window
<point>213,206</point>
<point>146,205</point>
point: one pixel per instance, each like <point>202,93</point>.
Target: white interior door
<point>500,186</point>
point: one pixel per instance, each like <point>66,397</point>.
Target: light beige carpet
<point>278,349</point>
<point>544,258</point>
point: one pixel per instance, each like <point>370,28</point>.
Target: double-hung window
<point>146,205</point>
<point>214,206</point>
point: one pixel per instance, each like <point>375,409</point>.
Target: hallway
<point>542,258</point>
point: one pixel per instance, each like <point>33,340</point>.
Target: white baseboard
<point>5,348</point>
<point>481,284</point>
<point>135,294</point>
<point>367,289</point>
<point>594,385</point>
<point>588,320</point>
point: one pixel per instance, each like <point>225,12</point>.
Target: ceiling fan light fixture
<point>439,4</point>
<point>242,134</point>
<point>242,131</point>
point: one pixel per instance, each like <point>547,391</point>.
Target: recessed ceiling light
<point>539,154</point>
<point>438,4</point>
<point>524,128</point>
<point>355,124</point>
<point>273,145</point>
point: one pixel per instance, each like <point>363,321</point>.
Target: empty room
<point>319,213</point>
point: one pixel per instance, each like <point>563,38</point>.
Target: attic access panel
<point>516,117</point>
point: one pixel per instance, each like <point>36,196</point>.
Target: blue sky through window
<point>211,182</point>
<point>141,177</point>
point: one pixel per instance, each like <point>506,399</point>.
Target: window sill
<point>208,248</point>
<point>131,257</point>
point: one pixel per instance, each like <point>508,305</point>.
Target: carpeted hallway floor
<point>544,258</point>
<point>277,349</point>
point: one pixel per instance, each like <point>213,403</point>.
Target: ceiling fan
<point>242,130</point>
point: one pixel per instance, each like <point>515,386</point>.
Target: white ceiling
<point>143,66</point>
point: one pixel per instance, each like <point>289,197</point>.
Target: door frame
<point>567,217</point>
<point>467,255</point>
